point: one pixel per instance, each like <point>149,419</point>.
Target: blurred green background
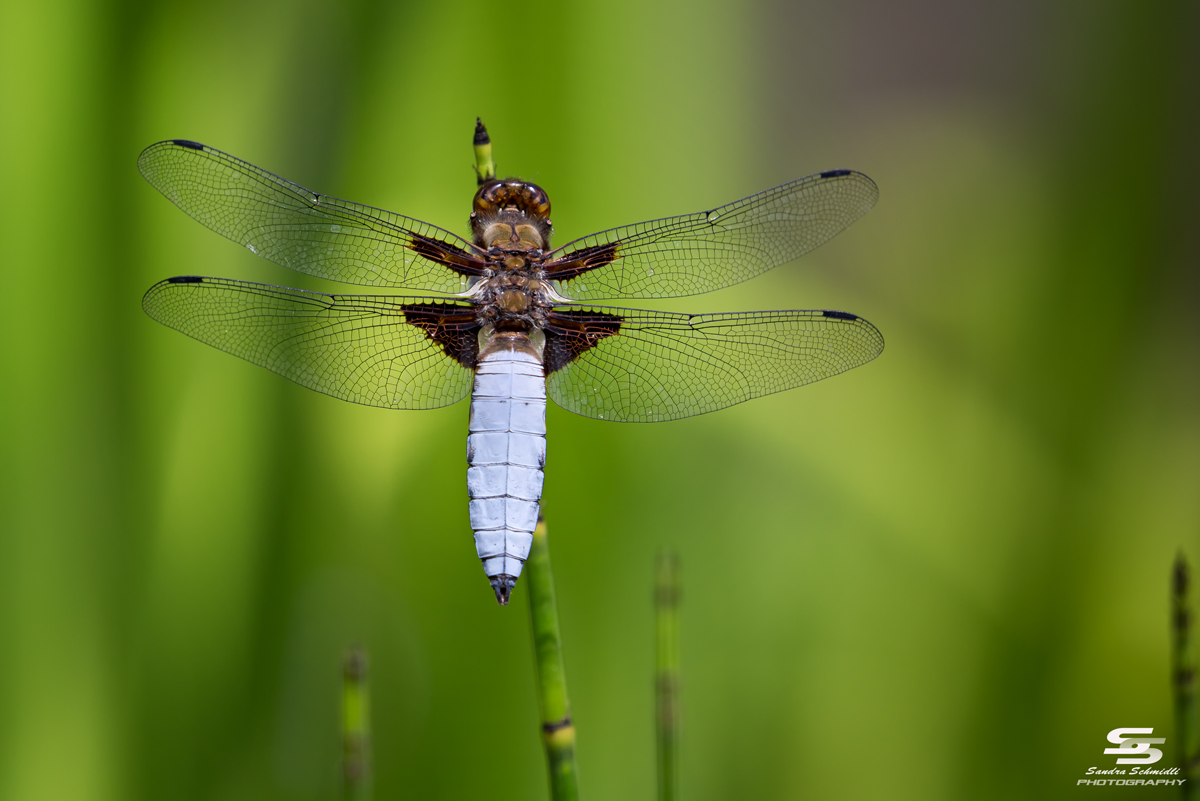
<point>942,575</point>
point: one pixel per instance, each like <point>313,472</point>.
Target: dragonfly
<point>506,318</point>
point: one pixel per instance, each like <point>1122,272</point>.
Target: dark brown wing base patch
<point>450,326</point>
<point>446,254</point>
<point>581,261</point>
<point>572,332</point>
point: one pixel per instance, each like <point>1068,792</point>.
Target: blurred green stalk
<point>1183,684</point>
<point>356,768</point>
<point>666,679</point>
<point>558,732</point>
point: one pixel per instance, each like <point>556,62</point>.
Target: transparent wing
<point>394,352</point>
<point>305,231</point>
<point>641,366</point>
<point>709,250</point>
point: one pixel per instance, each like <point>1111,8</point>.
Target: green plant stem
<point>558,732</point>
<point>666,679</point>
<point>485,168</point>
<point>356,772</point>
<point>1183,684</point>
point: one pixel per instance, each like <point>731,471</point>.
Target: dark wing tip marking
<point>700,252</point>
<point>839,315</point>
<point>188,143</point>
<point>186,279</point>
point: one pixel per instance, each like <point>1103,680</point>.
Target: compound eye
<point>536,200</point>
<point>488,196</point>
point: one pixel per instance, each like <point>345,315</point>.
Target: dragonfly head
<point>511,214</point>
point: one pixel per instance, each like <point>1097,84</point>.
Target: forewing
<point>640,366</point>
<point>306,231</point>
<point>393,352</point>
<point>709,250</point>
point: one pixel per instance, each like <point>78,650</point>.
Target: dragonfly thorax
<point>514,299</point>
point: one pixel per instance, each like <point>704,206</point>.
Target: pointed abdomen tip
<point>502,585</point>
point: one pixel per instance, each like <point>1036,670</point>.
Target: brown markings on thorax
<point>510,220</point>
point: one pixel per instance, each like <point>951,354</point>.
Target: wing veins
<point>660,365</point>
<point>704,251</point>
<point>358,348</point>
<point>293,226</point>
